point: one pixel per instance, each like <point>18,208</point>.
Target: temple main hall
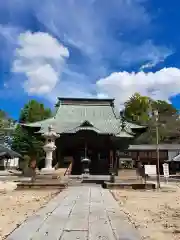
<point>88,128</point>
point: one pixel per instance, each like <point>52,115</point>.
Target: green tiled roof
<point>48,122</point>
<point>72,113</point>
<point>124,134</point>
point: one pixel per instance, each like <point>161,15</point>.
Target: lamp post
<point>156,114</point>
<point>49,148</point>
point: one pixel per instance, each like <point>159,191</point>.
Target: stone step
<point>74,183</point>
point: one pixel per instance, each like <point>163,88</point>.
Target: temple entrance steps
<point>74,182</point>
<point>77,180</point>
<point>92,177</point>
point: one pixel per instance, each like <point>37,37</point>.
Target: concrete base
<point>47,171</point>
<point>91,177</point>
<point>5,173</point>
<point>41,185</point>
<point>126,185</point>
<point>85,175</point>
<point>87,178</point>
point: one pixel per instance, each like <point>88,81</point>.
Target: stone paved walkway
<point>83,213</point>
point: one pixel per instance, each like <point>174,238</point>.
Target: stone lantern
<point>85,165</point>
<point>49,147</point>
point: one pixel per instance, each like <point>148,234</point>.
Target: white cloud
<point>162,84</point>
<point>40,45</point>
<point>100,41</point>
<point>147,53</point>
<point>41,58</point>
<point>102,95</point>
<point>92,33</point>
<point>94,30</point>
<point>155,55</point>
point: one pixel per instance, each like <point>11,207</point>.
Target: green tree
<point>140,110</point>
<point>5,120</point>
<point>6,125</point>
<point>34,111</point>
<point>25,140</point>
<point>137,108</point>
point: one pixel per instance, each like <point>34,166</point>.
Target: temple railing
<point>68,170</point>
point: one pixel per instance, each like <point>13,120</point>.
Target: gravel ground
<point>156,214</point>
<point>16,206</point>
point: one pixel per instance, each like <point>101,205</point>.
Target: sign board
<point>150,170</point>
<point>166,170</point>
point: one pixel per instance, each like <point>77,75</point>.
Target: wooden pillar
<point>111,165</point>
<point>112,156</point>
<point>58,152</point>
<point>116,162</point>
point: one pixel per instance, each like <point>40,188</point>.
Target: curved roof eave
<point>39,123</point>
<point>11,152</point>
<point>124,134</point>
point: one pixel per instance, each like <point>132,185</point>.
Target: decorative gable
<point>86,124</point>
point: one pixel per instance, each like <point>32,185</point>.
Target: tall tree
<point>34,111</point>
<point>137,108</point>
<point>25,140</point>
<point>140,109</point>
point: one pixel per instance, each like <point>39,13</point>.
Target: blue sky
<point>92,48</point>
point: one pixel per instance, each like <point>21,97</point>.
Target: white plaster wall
<point>12,163</point>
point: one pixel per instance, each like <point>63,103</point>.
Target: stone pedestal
<point>47,171</point>
<point>49,157</point>
<point>49,148</point>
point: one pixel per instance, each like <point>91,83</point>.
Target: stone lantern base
<point>47,170</point>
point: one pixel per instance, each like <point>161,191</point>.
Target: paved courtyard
<point>82,212</point>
